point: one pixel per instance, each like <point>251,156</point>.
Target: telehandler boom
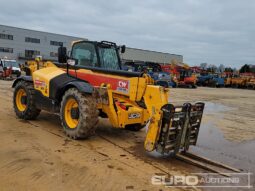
<point>90,82</point>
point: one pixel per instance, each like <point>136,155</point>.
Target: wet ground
<point>213,145</point>
<point>36,155</point>
<point>218,139</point>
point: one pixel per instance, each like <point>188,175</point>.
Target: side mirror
<point>72,62</point>
<point>123,49</point>
<point>62,54</point>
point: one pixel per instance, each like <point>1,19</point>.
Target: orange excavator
<point>182,74</point>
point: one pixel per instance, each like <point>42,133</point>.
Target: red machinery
<point>183,74</point>
<point>5,72</point>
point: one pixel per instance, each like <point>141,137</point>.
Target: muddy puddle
<point>212,144</point>
<point>216,108</point>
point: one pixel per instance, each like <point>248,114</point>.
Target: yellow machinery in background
<point>31,66</point>
<point>251,83</point>
<point>250,80</point>
<point>237,81</point>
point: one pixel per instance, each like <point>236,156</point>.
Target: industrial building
<point>134,54</point>
<point>24,44</point>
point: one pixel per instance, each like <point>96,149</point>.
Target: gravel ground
<point>36,155</point>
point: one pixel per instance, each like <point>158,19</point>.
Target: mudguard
<point>24,78</point>
<point>82,86</point>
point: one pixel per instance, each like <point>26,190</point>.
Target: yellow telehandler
<point>90,83</point>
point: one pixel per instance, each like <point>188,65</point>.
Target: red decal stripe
<point>97,80</point>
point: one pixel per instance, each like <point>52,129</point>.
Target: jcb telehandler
<point>89,82</point>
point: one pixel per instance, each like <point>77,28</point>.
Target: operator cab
<point>185,73</point>
<point>101,57</point>
<point>93,54</point>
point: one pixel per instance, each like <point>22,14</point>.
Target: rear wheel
<point>24,101</point>
<point>79,114</point>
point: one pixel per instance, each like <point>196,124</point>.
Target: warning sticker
<point>39,83</point>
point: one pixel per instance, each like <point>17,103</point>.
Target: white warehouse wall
<point>134,54</point>
<point>19,45</point>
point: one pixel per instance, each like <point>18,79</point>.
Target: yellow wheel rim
<point>21,107</point>
<point>71,104</point>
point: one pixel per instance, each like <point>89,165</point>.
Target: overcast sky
<point>212,31</point>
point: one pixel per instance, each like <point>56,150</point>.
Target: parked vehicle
<point>203,79</point>
<point>236,81</point>
<point>218,81</point>
<point>251,83</point>
<point>11,64</point>
<point>5,72</point>
<point>210,80</point>
<point>183,75</point>
<point>154,70</point>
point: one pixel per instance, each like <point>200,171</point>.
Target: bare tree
<point>221,68</point>
<point>203,66</point>
<point>212,68</point>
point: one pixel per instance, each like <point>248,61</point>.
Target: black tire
<point>31,112</point>
<point>234,85</point>
<point>87,117</point>
<point>134,127</point>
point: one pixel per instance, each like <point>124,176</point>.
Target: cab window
<point>108,57</point>
<point>85,54</point>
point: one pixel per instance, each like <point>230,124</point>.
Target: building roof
<point>153,51</point>
<point>41,31</point>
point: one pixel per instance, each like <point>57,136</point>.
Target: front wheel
<point>79,114</point>
<point>24,101</point>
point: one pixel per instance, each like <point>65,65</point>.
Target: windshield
<point>186,73</point>
<point>11,63</point>
<point>109,58</point>
<point>189,73</point>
